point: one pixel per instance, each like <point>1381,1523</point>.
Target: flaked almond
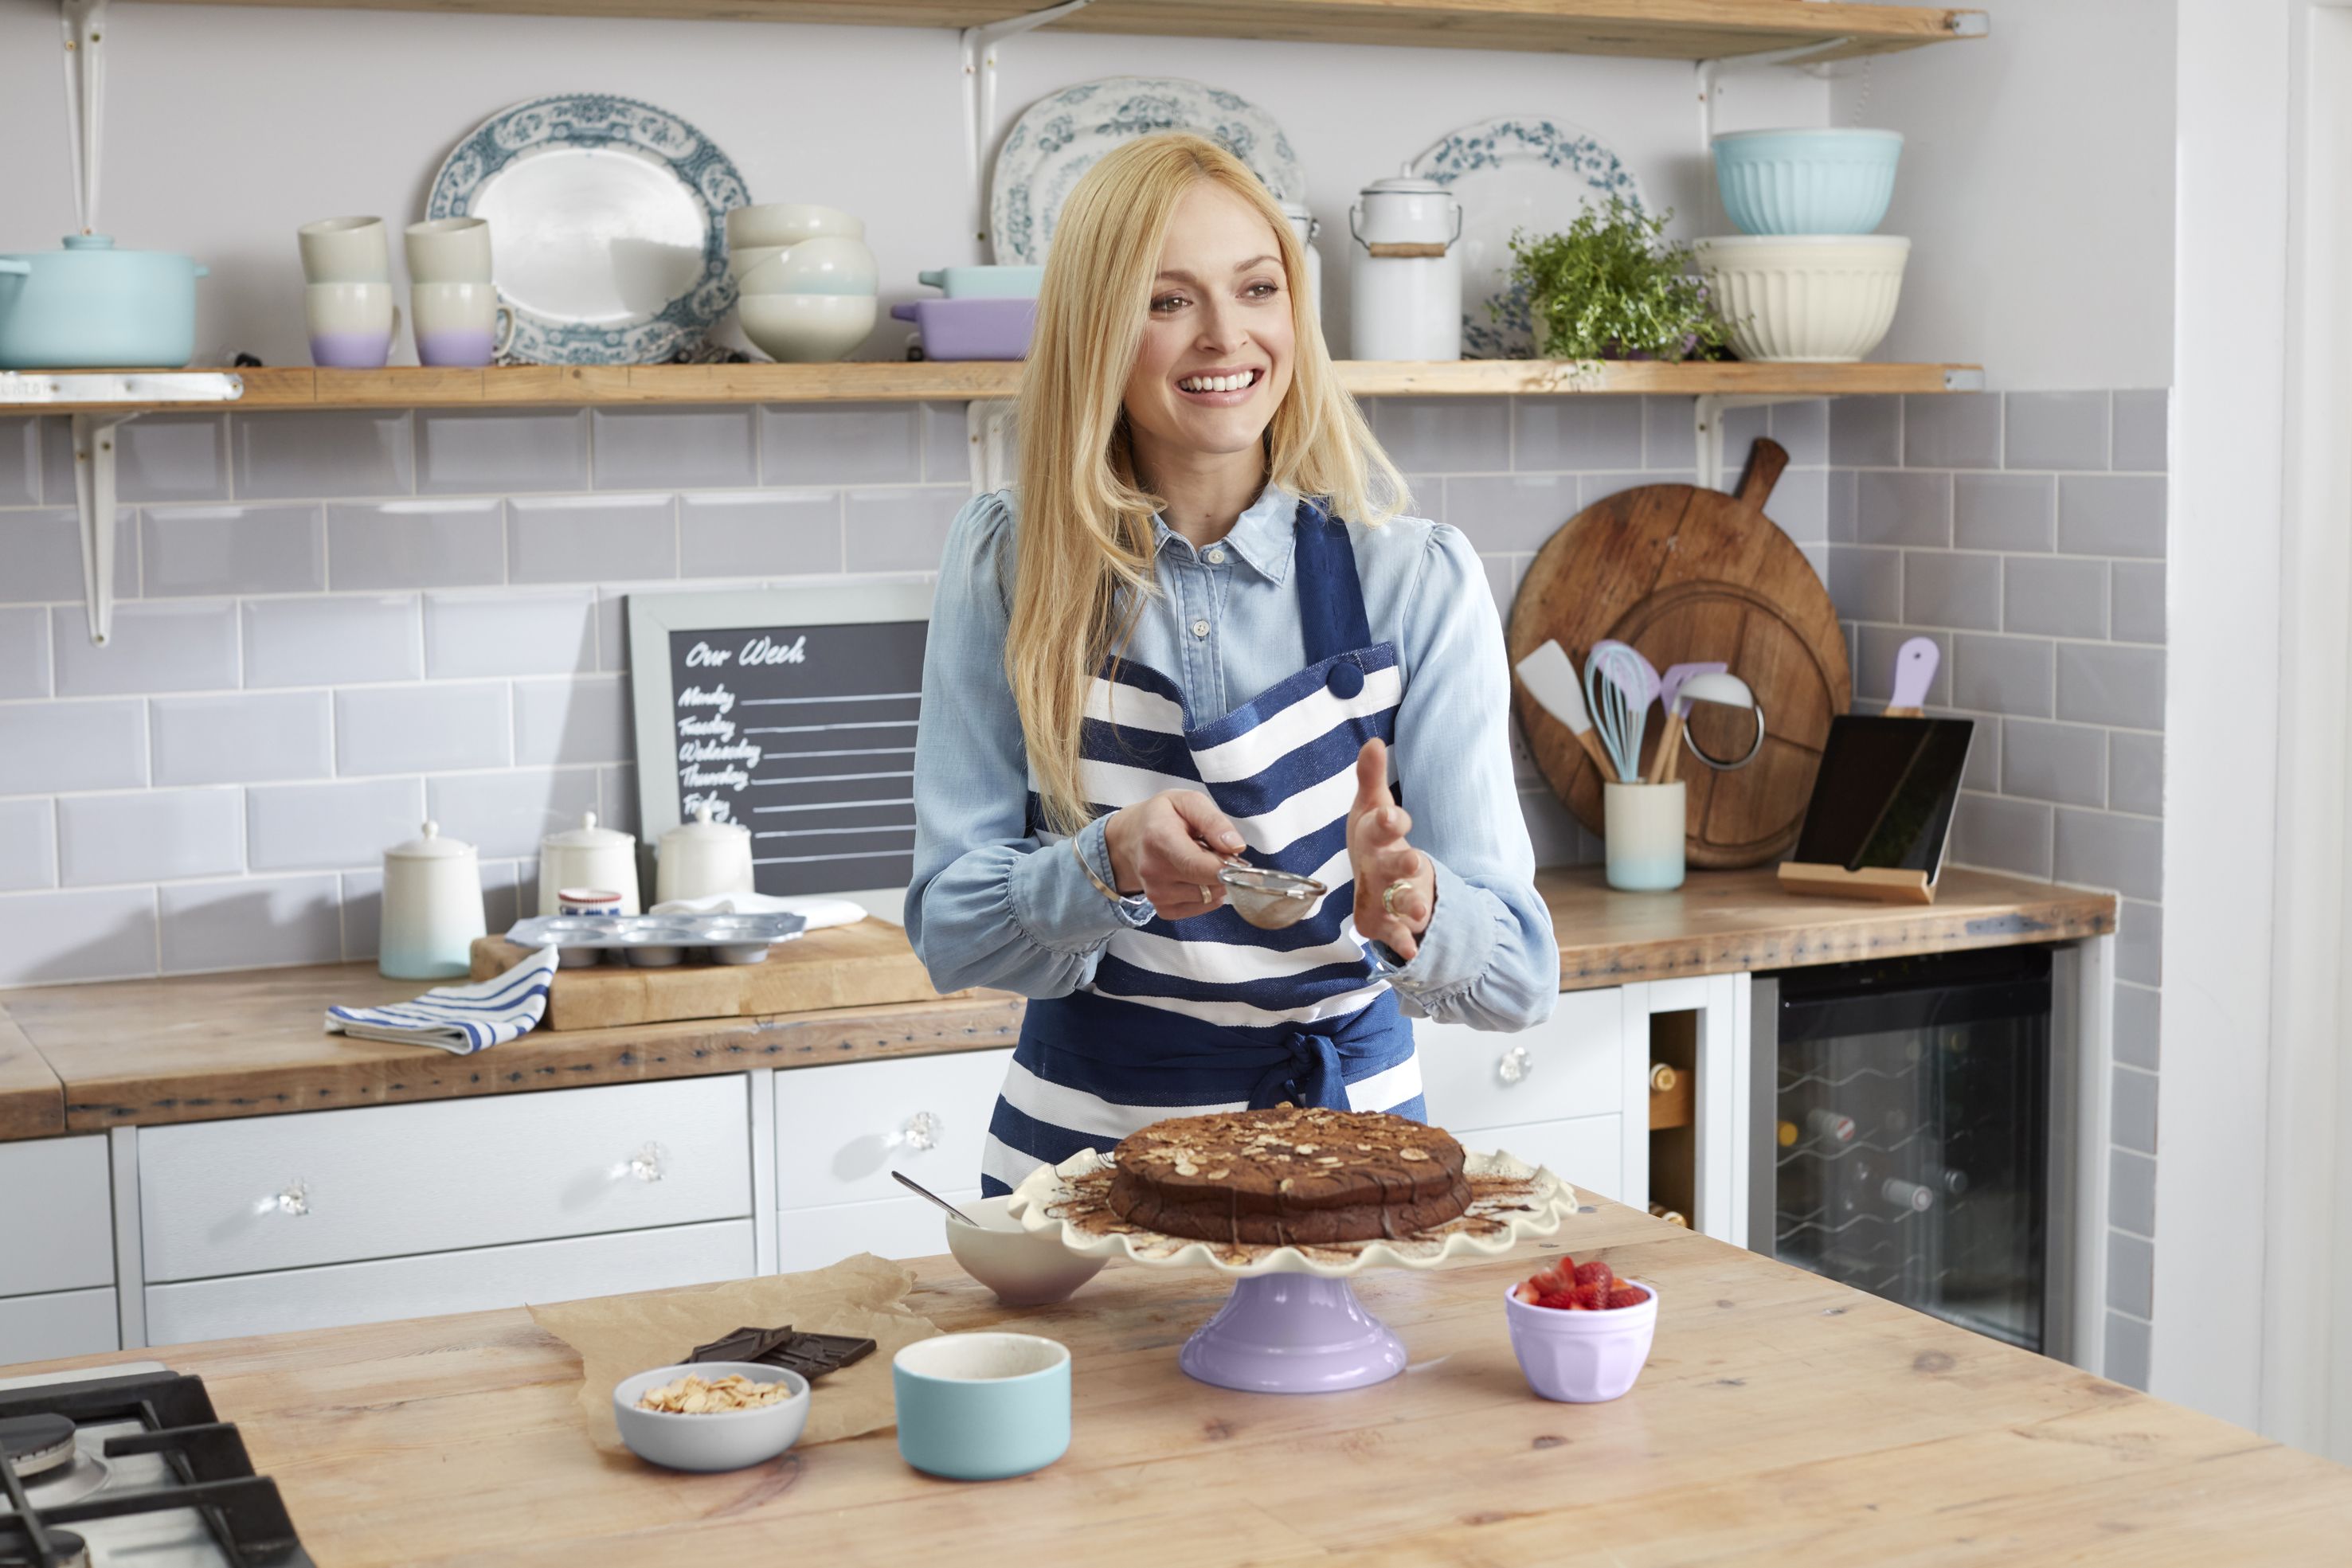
<point>1412,1153</point>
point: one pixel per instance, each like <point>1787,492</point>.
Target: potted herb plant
<point>1611,287</point>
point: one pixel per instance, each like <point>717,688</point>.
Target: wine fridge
<point>1907,1135</point>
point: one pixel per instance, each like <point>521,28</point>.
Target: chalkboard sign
<point>791,711</point>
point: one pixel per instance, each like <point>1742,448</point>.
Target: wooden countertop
<point>199,1047</point>
<point>1781,1418</point>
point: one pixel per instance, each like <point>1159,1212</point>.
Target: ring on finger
<point>1207,893</point>
<point>1389,893</point>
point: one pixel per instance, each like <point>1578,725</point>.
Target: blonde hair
<point>1084,535</point>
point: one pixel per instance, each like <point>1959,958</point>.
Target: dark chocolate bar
<point>810,1355</point>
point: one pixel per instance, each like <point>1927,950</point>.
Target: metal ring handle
<point>1691,740</point>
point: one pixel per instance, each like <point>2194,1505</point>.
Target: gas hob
<point>130,1465</point>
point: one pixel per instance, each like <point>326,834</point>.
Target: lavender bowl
<point>1581,1358</point>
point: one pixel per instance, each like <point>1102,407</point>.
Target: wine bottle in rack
<point>1908,1195</point>
<point>1663,1078</point>
<point>1830,1126</point>
<point>1787,1133</point>
<point>1670,1216</point>
<point>1955,1182</point>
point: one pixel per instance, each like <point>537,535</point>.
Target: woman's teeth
<point>1219,384</point>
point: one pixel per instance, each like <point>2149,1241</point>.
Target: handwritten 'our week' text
<point>760,650</point>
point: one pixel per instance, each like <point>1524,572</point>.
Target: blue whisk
<point>1619,687</point>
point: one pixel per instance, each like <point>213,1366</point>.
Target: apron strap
<point>1330,595</point>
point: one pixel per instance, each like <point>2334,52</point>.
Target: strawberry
<point>1526,1292</point>
<point>1595,1272</point>
<point>1589,1297</point>
<point>1627,1296</point>
<point>1559,1301</point>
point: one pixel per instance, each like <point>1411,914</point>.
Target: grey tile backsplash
<point>2045,585</point>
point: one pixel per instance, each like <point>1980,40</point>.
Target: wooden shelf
<point>1661,29</point>
<point>524,386</point>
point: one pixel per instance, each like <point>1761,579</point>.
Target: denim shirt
<point>990,906</point>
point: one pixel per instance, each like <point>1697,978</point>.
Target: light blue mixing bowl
<point>1821,182</point>
<point>982,1407</point>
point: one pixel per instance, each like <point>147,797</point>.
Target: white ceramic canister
<point>1642,830</point>
<point>1306,226</point>
<point>701,858</point>
<point>1404,272</point>
<point>431,908</point>
<point>587,856</point>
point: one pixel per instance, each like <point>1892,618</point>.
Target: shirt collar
<point>1264,536</point>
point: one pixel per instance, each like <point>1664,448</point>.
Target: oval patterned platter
<point>608,222</point>
<point>1521,172</point>
<point>1062,135</point>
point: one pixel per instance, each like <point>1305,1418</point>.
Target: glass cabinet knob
<point>295,1200</point>
<point>648,1162</point>
<point>922,1131</point>
<point>1515,1065</point>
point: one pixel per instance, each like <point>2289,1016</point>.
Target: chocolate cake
<point>1287,1175</point>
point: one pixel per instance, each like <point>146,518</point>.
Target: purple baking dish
<point>971,329</point>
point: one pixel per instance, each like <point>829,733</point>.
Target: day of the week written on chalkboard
<point>807,737</point>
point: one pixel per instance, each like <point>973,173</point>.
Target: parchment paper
<point>619,1336</point>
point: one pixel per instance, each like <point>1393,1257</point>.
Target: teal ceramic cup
<point>982,1407</point>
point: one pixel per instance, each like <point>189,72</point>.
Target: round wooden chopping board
<point>1685,574</point>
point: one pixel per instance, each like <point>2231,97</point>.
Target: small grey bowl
<point>727,1441</point>
<point>1268,899</point>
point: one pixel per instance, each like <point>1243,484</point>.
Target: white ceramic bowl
<point>788,223</point>
<point>1814,299</point>
<point>806,329</point>
<point>741,260</point>
<point>727,1440</point>
<point>829,263</point>
<point>1025,1267</point>
<point>1582,1357</point>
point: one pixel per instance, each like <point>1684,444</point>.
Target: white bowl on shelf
<point>807,329</point>
<point>742,258</point>
<point>1805,298</point>
<point>788,223</point>
<point>830,263</point>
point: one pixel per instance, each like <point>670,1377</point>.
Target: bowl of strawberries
<point>1581,1334</point>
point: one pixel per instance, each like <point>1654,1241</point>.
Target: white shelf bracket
<point>93,445</point>
<point>980,47</point>
<point>1710,74</point>
<point>1707,423</point>
<point>84,24</point>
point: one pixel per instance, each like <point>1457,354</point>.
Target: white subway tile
<point>28,848</point>
<point>660,447</point>
<point>2056,430</point>
<point>2054,596</point>
<point>49,747</point>
<point>104,934</point>
<point>1866,432</point>
<point>1445,435</point>
<point>1553,433</point>
<point>2102,849</point>
<point>858,444</point>
<point>2063,763</point>
<point>504,815</point>
<point>2139,440</point>
<point>159,457</point>
<point>1949,431</point>
<point>590,538</point>
<point>484,451</point>
<point>20,462</point>
<point>251,923</point>
<point>1510,514</point>
<point>899,530</point>
<point>40,557</point>
<point>151,835</point>
<point>562,722</point>
<point>332,639</point>
<point>424,729</point>
<point>290,456</point>
<point>167,647</point>
<point>320,826</point>
<point>193,551</point>
<point>544,632</point>
<point>25,651</point>
<point>251,738</point>
<point>415,544</point>
<point>362,895</point>
<point>2108,685</point>
<point>774,533</point>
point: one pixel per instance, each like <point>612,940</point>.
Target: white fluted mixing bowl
<point>1813,299</point>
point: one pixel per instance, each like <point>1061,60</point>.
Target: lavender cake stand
<point>1293,1325</point>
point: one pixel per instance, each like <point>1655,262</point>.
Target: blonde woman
<point>1195,631</point>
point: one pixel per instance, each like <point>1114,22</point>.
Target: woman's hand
<point>1172,846</point>
<point>1379,857</point>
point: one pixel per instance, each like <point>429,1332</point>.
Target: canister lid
<point>702,830</point>
<point>430,846</point>
<point>1403,185</point>
<point>586,836</point>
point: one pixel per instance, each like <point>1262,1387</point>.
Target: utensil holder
<point>1643,827</point>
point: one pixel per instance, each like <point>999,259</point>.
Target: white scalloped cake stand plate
<point>1513,1202</point>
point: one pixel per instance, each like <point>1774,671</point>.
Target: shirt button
<point>1200,628</point>
<point>1216,558</point>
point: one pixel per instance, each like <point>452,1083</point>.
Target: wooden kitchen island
<point>1782,1418</point>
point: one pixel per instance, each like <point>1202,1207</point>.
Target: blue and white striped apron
<point>1210,1013</point>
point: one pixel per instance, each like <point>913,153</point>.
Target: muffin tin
<point>657,941</point>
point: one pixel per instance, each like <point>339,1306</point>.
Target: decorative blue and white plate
<point>608,221</point>
<point>1523,171</point>
<point>1062,135</point>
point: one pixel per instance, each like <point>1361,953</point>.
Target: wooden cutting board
<point>863,964</point>
<point>1685,574</point>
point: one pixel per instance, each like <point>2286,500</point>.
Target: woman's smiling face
<point>1215,359</point>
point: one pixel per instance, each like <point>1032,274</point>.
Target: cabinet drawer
<point>64,1323</point>
<point>1569,1065</point>
<point>841,1130</point>
<point>334,1187</point>
<point>449,1282</point>
<point>1584,1151</point>
<point>56,1230</point>
<point>890,1227</point>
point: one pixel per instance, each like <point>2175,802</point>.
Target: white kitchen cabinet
<point>468,1281</point>
<point>57,1225</point>
<point>1569,1065</point>
<point>840,1131</point>
<point>888,1227</point>
<point>335,1186</point>
<point>1586,1152</point>
<point>58,1323</point>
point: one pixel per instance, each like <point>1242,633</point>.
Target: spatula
<point>1914,671</point>
<point>1551,680</point>
<point>1670,691</point>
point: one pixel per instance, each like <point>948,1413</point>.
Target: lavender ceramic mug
<point>460,323</point>
<point>351,324</point>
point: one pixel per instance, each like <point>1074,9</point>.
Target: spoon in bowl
<point>920,1190</point>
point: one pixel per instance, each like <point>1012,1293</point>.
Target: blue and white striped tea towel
<point>459,1019</point>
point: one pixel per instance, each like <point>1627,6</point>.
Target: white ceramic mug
<point>449,250</point>
<point>345,250</point>
<point>460,323</point>
<point>351,324</point>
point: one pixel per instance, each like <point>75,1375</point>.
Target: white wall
<point>2037,189</point>
<point>226,127</point>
